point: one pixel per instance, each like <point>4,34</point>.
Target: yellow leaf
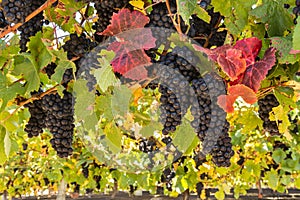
<point>138,5</point>
<point>280,114</point>
<point>138,93</point>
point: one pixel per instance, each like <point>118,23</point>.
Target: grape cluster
<point>36,122</point>
<point>29,29</point>
<point>85,169</point>
<point>210,122</point>
<point>296,10</point>
<point>34,25</point>
<point>174,98</point>
<point>222,150</point>
<point>167,176</point>
<point>14,10</point>
<point>77,46</point>
<point>208,34</point>
<point>160,22</point>
<point>3,22</point>
<point>266,105</point>
<point>148,145</point>
<point>87,64</point>
<point>59,120</point>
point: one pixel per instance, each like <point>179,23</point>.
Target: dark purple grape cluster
<point>78,46</point>
<point>208,34</point>
<point>3,22</point>
<point>14,10</point>
<point>29,29</point>
<point>59,120</point>
<point>210,122</point>
<point>266,105</point>
<point>160,22</point>
<point>296,10</point>
<point>85,169</point>
<point>148,145</point>
<point>174,99</point>
<point>167,176</point>
<point>36,122</point>
<point>222,150</point>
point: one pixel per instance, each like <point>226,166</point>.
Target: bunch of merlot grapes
<point>174,89</point>
<point>167,176</point>
<point>210,122</point>
<point>208,34</point>
<point>36,122</point>
<point>29,29</point>
<point>148,145</point>
<point>77,46</point>
<point>266,105</point>
<point>296,10</point>
<point>14,10</point>
<point>3,22</point>
<point>161,23</point>
<point>59,120</point>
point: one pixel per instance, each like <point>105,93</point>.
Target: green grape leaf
<point>284,46</point>
<point>184,136</point>
<point>120,100</point>
<point>278,155</point>
<point>7,144</point>
<point>3,156</point>
<point>296,36</point>
<point>220,195</point>
<point>9,93</point>
<point>59,71</point>
<point>187,8</point>
<point>27,66</point>
<point>113,137</point>
<point>103,104</point>
<point>297,182</point>
<point>284,100</point>
<point>12,49</point>
<point>39,50</point>
<point>275,16</point>
<point>235,12</point>
<point>279,114</point>
<point>272,179</point>
<point>250,120</point>
<point>149,130</point>
<point>84,104</point>
<point>104,75</point>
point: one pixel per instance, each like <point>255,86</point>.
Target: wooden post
<point>62,190</point>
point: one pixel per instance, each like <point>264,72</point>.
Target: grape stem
<point>10,29</point>
<point>177,25</point>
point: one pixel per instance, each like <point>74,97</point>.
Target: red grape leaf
<point>132,39</point>
<point>213,54</point>
<point>250,48</point>
<point>257,72</point>
<point>232,63</point>
<point>226,101</point>
<point>125,20</point>
<point>129,61</point>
